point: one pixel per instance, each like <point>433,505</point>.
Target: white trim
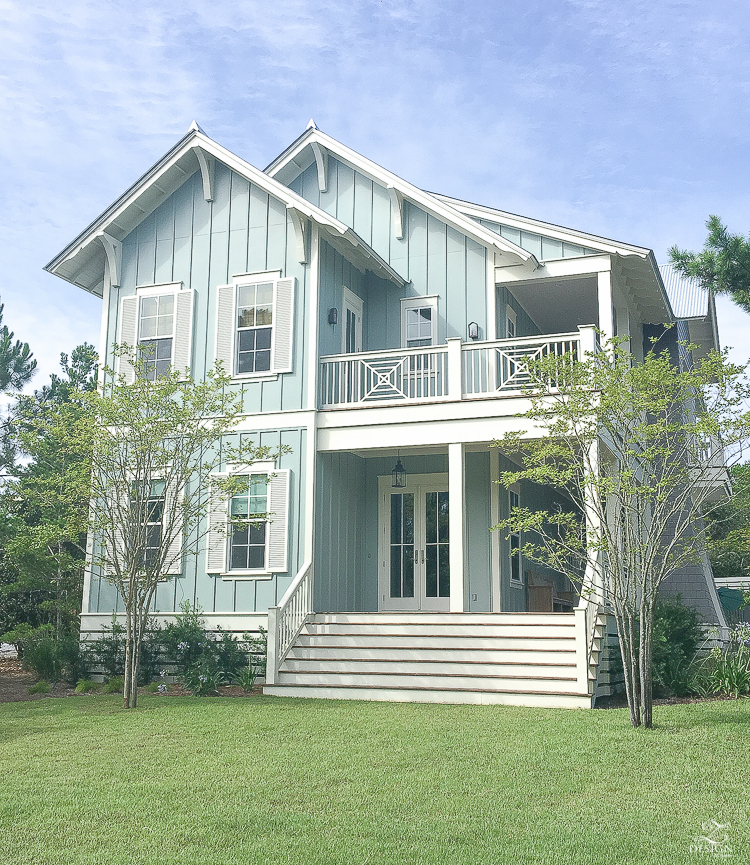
<point>457,506</point>
<point>510,315</point>
<point>321,162</point>
<point>422,300</point>
<point>354,303</point>
<point>158,288</point>
<point>515,490</point>
<point>207,165</point>
<point>259,275</point>
<point>495,549</point>
<point>425,200</point>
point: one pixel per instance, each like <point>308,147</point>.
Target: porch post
<point>604,296</point>
<point>456,524</point>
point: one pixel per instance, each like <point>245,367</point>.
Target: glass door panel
<point>437,548</point>
<point>402,545</point>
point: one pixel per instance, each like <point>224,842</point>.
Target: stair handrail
<point>287,618</point>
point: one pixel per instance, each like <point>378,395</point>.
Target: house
<point>378,331</point>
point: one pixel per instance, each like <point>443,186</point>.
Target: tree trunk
<point>128,655</point>
<point>646,654</point>
<point>624,620</point>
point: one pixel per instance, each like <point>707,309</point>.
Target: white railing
<point>503,365</point>
<point>377,377</point>
<point>286,620</point>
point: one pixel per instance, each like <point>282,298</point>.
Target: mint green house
<point>378,331</point>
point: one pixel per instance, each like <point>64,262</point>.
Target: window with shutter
<point>248,531</point>
<point>157,322</point>
<point>254,325</point>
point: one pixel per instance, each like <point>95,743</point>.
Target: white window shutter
<point>128,335</point>
<point>216,540</point>
<point>278,521</point>
<point>183,332</point>
<point>225,327</point>
<point>283,342</point>
<point>173,512</point>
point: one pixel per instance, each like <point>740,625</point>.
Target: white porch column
<point>456,524</point>
<point>604,296</point>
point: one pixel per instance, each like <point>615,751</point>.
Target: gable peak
<point>194,127</point>
<point>312,124</point>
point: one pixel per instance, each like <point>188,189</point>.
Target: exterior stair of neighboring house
<point>522,659</point>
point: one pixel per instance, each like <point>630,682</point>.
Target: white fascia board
<point>426,200</point>
<point>194,139</point>
<point>525,223</point>
<point>558,268</point>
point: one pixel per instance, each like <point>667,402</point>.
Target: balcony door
<point>351,331</point>
<point>414,548</point>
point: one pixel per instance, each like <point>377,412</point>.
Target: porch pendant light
<point>399,473</point>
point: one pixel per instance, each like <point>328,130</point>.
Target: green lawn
<point>190,780</point>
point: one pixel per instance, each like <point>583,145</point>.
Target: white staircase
<point>522,659</point>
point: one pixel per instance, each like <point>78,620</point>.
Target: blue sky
<point>628,119</point>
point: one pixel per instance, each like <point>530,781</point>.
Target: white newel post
<point>587,337</point>
<point>455,378</point>
<point>456,523</point>
<point>272,645</point>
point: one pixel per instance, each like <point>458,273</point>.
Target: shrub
<point>114,686</point>
<point>258,649</point>
<point>229,654</point>
<point>85,686</point>
<point>109,651</point>
<point>676,637</point>
<point>202,679</point>
<point>247,676</point>
<point>188,644</point>
<point>726,671</point>
<point>41,687</point>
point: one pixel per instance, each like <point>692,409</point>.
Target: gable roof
<point>83,261</point>
<point>693,304</point>
<point>299,155</point>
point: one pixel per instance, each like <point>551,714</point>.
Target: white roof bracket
<point>299,221</point>
<point>321,160</point>
<point>397,211</point>
<point>207,164</point>
<point>113,250</point>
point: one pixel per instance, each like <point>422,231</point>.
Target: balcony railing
<point>453,371</point>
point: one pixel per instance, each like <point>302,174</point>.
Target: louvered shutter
<point>173,515</point>
<point>216,540</point>
<point>183,332</point>
<point>278,521</point>
<point>225,327</point>
<point>128,335</point>
<point>283,343</point>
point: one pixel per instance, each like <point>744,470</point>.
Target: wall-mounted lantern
<point>333,315</point>
<point>473,330</point>
<point>398,474</point>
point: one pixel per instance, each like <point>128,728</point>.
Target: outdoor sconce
<point>333,315</point>
<point>398,474</point>
<point>473,330</point>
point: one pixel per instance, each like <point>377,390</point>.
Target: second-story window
<point>418,321</point>
<point>254,327</point>
<point>155,334</point>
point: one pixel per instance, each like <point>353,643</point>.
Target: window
<point>248,531</point>
<point>418,321</point>
<point>516,574</point>
<point>157,322</point>
<point>248,524</point>
<point>510,322</point>
<point>150,518</point>
<point>254,327</point>
<point>155,334</point>
<point>254,324</point>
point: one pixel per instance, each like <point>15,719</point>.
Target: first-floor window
<point>151,506</point>
<point>248,524</point>
<point>516,574</point>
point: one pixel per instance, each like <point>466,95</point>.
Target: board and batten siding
<point>212,593</point>
<point>203,244</point>
<point>433,257</point>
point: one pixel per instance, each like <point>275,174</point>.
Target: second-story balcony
<point>454,371</point>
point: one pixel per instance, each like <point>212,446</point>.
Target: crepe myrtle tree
<point>637,450</point>
<point>154,445</point>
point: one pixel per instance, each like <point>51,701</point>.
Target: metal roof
<point>689,299</point>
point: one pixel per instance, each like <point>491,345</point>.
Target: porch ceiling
<point>559,306</point>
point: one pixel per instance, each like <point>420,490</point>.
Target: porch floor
<point>525,659</point>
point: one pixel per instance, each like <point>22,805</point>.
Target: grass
<point>265,780</point>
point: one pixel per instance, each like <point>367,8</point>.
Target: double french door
<point>414,547</point>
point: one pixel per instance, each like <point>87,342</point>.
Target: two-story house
<point>378,331</point>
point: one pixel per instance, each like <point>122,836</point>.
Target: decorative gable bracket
<point>113,251</point>
<point>397,211</point>
<point>207,164</point>
<point>299,221</point>
<point>321,161</point>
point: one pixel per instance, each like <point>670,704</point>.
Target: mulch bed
<point>15,683</point>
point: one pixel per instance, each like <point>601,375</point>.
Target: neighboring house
<point>378,331</point>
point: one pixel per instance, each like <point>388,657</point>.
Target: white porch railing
<point>286,620</point>
<point>453,371</point>
<point>377,377</point>
<point>503,365</point>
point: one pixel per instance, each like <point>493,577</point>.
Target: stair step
<point>456,643</point>
<point>474,619</point>
<point>395,629</point>
<point>415,667</point>
<point>396,654</point>
<point>536,698</point>
<point>437,681</point>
